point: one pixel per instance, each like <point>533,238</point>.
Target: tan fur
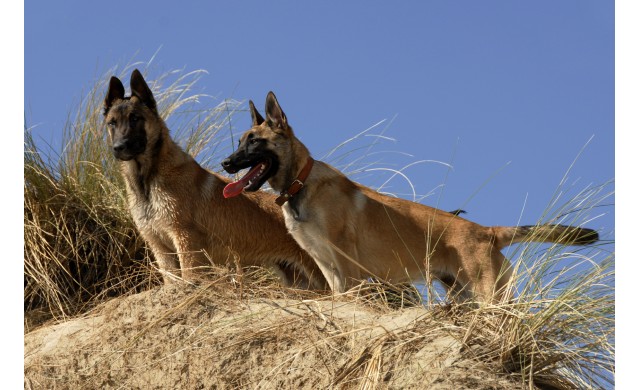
<point>353,232</point>
<point>179,209</point>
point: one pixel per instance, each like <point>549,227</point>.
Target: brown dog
<point>178,206</point>
<point>353,232</point>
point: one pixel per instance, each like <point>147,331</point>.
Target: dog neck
<point>297,183</point>
<point>141,171</point>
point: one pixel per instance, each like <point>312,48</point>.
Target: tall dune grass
<point>559,330</point>
<point>81,248</point>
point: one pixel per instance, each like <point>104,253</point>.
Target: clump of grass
<point>385,296</point>
<point>559,330</point>
<point>81,246</point>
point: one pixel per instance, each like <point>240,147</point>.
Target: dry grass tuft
<point>247,331</point>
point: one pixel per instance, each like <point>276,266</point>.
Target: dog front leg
<point>166,260</point>
<point>331,272</point>
<point>190,248</point>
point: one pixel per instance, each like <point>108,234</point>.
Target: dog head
<point>265,149</point>
<point>126,117</point>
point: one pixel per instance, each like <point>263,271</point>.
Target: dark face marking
<point>126,126</point>
<point>125,116</point>
<point>262,148</point>
<point>253,152</point>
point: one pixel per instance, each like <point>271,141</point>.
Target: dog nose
<point>228,165</point>
<point>120,146</point>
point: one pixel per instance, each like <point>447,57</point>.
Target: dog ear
<point>256,118</point>
<point>275,116</point>
<point>141,90</point>
<point>115,92</point>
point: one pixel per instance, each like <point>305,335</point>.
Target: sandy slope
<point>185,337</point>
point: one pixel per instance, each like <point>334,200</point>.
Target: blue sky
<point>507,93</point>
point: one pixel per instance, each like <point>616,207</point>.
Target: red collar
<point>297,184</point>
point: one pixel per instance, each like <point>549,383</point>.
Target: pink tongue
<point>235,188</point>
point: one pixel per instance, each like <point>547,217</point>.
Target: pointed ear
<point>115,92</point>
<point>275,115</point>
<point>141,90</point>
<point>256,118</point>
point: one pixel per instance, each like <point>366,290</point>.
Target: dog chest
<point>159,207</point>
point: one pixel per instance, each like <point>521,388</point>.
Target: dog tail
<point>560,234</point>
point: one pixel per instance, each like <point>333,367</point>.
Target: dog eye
<point>253,141</point>
<point>133,118</point>
<point>111,123</point>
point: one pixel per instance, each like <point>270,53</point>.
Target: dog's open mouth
<point>251,181</point>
